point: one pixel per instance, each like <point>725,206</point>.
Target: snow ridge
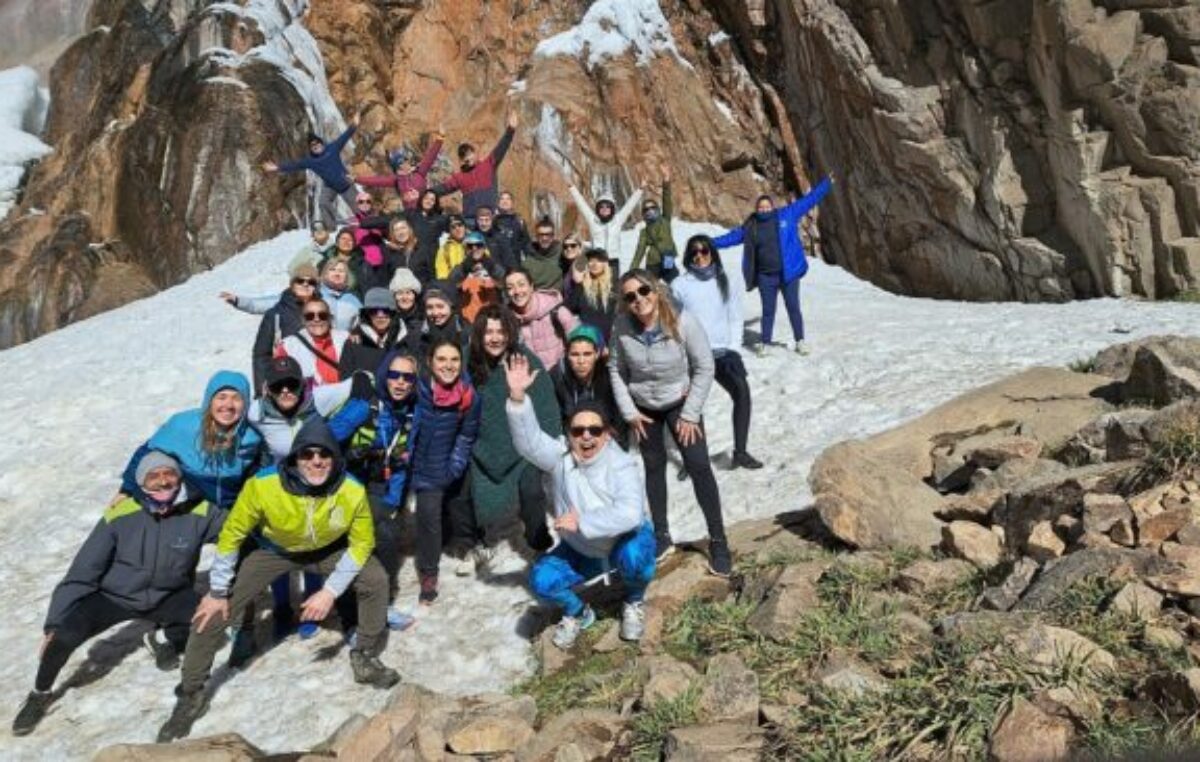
<point>609,29</point>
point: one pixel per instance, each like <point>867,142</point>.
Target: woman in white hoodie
<point>605,221</point>
<point>599,511</point>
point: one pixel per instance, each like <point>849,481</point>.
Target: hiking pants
<point>327,203</point>
<point>554,574</point>
<point>95,613</point>
<point>695,460</point>
<point>451,506</point>
<point>769,286</point>
<point>256,572</point>
<point>731,375</point>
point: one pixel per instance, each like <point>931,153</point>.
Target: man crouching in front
<point>305,513</point>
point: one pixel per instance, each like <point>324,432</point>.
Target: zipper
<point>309,513</point>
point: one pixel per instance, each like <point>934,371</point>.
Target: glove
<point>668,262</point>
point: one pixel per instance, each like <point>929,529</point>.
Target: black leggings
<point>731,375</point>
<point>95,613</point>
<point>451,505</point>
<point>695,460</point>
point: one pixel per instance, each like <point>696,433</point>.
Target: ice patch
<point>23,107</point>
<point>554,141</point>
<point>718,37</point>
<point>609,29</point>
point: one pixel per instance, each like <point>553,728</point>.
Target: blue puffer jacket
<point>218,478</point>
<point>442,437</point>
<point>375,433</point>
<point>785,222</point>
<point>326,165</point>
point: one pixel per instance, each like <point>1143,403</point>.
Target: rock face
<point>1004,150</point>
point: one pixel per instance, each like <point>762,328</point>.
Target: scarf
<point>458,395</point>
<point>327,373</point>
<point>704,273</point>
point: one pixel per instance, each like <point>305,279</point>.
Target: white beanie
<point>404,280</point>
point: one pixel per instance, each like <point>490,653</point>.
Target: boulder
<point>1051,648</point>
<point>1028,734</point>
<point>793,594</point>
<point>1043,543</point>
<point>492,725</point>
<point>1004,596</point>
<point>1046,498</point>
<point>1163,526</point>
<point>1101,511</point>
<point>1124,437</point>
<point>1137,601</point>
<point>226,747</point>
<point>689,579</point>
<point>1176,692</point>
<point>1165,372</point>
<point>975,505</point>
<point>1108,563</point>
<point>841,673</point>
<point>1182,577</point>
<point>594,733</point>
<point>723,742</point>
<point>928,576</point>
<point>973,543</point>
<point>668,679</point>
<point>384,735</point>
<point>728,692</point>
<point>996,453</point>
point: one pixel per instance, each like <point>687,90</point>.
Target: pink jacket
<point>417,180</point>
<point>540,326</point>
<point>369,240</point>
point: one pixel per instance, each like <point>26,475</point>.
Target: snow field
<point>79,400</point>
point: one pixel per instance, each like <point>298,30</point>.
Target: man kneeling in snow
<point>306,513</point>
<point>138,563</point>
<point>598,509</point>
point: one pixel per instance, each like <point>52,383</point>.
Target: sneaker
<point>633,621</point>
<point>308,630</point>
<point>663,546</point>
<point>482,556</point>
<point>761,349</point>
<point>464,567</point>
<point>399,621</point>
<point>369,670</point>
<point>429,589</point>
<point>166,657</point>
<point>568,628</point>
<point>189,707</point>
<point>32,711</point>
<point>243,649</point>
<point>719,562</point>
<point>746,460</point>
<point>801,347</point>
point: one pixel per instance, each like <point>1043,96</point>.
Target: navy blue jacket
<point>326,165</point>
<point>442,437</point>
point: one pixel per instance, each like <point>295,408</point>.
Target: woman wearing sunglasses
<point>599,511</point>
<point>379,330</point>
<point>499,476</point>
<point>662,369</point>
<point>334,288</point>
<point>318,346</point>
<point>573,263</point>
<point>704,291</point>
<point>445,427</point>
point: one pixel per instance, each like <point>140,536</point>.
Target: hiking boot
<point>568,628</point>
<point>801,347</point>
<point>720,563</point>
<point>166,656</point>
<point>189,707</point>
<point>746,460</point>
<point>243,649</point>
<point>429,589</point>
<point>369,670</point>
<point>31,712</point>
<point>663,546</point>
<point>633,621</point>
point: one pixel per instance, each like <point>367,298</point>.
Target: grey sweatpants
<point>256,572</point>
<point>327,204</point>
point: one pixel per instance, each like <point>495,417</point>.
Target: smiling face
<point>303,289</point>
<point>337,275</point>
<point>587,435</point>
<point>495,339</point>
<point>400,232</point>
<point>545,236</point>
<point>406,299</point>
<point>468,158</point>
<point>446,364</point>
<point>381,320</point>
<point>641,299</point>
<point>226,408</point>
<point>285,395</point>
<point>458,230</point>
<point>438,310</point>
<point>519,289</point>
<point>315,465</point>
<point>596,267</point>
<point>582,357</point>
<point>401,378</point>
<point>162,481</point>
<point>364,205</point>
<point>316,318</point>
<point>572,248</point>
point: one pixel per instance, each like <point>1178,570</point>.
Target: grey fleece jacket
<point>137,558</point>
<point>656,372</point>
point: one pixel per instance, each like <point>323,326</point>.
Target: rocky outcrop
<point>996,150</point>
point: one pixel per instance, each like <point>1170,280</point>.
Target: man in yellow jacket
<point>306,513</point>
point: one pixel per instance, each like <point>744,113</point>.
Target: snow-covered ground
<point>77,401</point>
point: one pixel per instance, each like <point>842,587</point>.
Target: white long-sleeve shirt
<point>606,235</point>
<point>722,320</point>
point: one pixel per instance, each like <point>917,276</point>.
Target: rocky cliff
<point>987,150</point>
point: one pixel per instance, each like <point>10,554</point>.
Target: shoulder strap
<point>300,337</point>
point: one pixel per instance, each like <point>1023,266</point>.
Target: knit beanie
<point>154,460</point>
<point>589,333</point>
<point>404,280</point>
<point>304,269</point>
<point>378,299</point>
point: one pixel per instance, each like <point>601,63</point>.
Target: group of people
<point>447,363</point>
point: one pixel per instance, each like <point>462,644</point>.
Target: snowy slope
<point>77,401</point>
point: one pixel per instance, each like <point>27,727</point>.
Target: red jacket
<point>478,184</point>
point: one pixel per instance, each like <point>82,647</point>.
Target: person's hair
<point>544,222</point>
<point>668,318</point>
<point>598,291</point>
<point>764,197</point>
<point>437,203</point>
<point>689,257</point>
<point>504,193</point>
<point>518,270</point>
<point>484,208</point>
<point>345,231</point>
<point>481,364</point>
<point>464,149</point>
<point>217,443</point>
<point>333,262</point>
<point>412,233</point>
<point>438,343</point>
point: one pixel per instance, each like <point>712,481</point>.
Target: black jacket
<point>512,227</point>
<point>429,232</point>
<point>500,247</point>
<point>570,392</point>
<point>368,351</point>
<point>600,317</point>
<point>284,319</point>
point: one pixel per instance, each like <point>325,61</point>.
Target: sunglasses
<point>545,235</point>
<point>305,282</point>
<point>365,202</point>
<point>571,245</point>
<point>649,209</point>
<point>314,453</point>
<point>642,291</point>
<point>697,251</point>
<point>313,317</point>
<point>593,431</point>
<point>292,386</point>
<point>402,375</point>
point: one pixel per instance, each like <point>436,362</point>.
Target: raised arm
<point>668,200</point>
<point>501,149</point>
<point>431,154</point>
<point>340,141</point>
<point>805,203</point>
<point>730,238</point>
<point>630,204</point>
<point>376,181</point>
<point>585,210</point>
<point>533,444</point>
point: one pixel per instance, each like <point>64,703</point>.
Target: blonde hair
<point>598,290</point>
<point>668,318</point>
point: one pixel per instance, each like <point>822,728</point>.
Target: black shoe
<point>32,712</point>
<point>745,460</point>
<point>682,474</point>
<point>663,546</point>
<point>166,655</point>
<point>719,561</point>
<point>429,589</point>
<point>369,670</point>
<point>189,707</point>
